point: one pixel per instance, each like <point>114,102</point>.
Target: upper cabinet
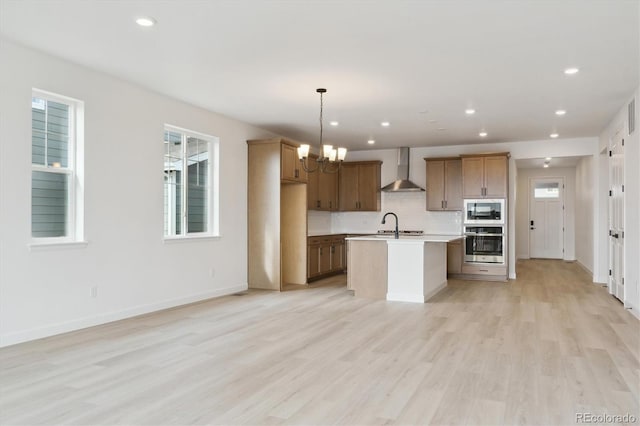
<point>290,168</point>
<point>484,176</point>
<point>444,184</point>
<point>322,188</point>
<point>359,186</point>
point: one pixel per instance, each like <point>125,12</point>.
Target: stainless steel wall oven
<point>484,244</point>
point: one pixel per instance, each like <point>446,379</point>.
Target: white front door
<point>546,218</point>
<point>616,216</point>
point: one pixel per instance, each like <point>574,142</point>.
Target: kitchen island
<point>407,269</point>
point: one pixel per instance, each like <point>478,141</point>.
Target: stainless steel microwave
<point>484,211</point>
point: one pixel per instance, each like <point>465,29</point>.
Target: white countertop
<point>425,238</point>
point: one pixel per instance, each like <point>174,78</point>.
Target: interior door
<point>616,216</point>
<point>546,218</point>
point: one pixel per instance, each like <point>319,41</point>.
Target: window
<point>56,136</point>
<point>190,201</point>
<point>547,190</point>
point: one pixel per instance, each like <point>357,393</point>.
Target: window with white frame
<point>190,202</point>
<point>56,137</point>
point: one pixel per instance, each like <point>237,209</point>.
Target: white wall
<point>631,208</point>
<point>45,292</point>
<point>584,218</point>
<point>522,208</point>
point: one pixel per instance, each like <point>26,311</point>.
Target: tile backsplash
<point>409,206</point>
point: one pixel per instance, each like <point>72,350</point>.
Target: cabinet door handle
<point>445,204</point>
<point>442,204</point>
<point>297,173</point>
<point>329,205</point>
<point>318,204</point>
<point>320,251</point>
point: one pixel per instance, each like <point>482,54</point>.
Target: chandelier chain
<point>321,119</point>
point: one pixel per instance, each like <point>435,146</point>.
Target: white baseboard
<point>413,297</point>
<point>78,324</point>
<point>435,291</point>
<point>634,310</point>
<point>405,297</point>
<point>587,270</point>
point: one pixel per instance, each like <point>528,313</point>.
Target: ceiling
<point>556,162</point>
<point>416,64</point>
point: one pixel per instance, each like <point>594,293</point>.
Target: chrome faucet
<point>397,235</point>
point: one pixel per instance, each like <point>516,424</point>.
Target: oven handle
<point>483,234</point>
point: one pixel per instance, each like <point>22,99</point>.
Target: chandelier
<point>330,158</point>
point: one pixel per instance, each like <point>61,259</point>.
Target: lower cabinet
<point>454,257</point>
<point>326,256</point>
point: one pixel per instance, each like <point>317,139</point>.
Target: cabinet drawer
<point>484,269</point>
<point>322,239</point>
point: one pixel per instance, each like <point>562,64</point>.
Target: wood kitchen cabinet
<point>291,170</point>
<point>444,184</point>
<point>277,215</point>
<point>322,188</point>
<point>359,186</point>
<point>338,254</point>
<point>485,176</point>
<point>454,257</point>
<point>326,256</point>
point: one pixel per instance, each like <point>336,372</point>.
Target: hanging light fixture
<point>330,158</point>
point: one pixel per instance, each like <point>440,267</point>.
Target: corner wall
<point>48,291</point>
<point>584,218</point>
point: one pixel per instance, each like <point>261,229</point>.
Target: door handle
<point>532,228</point>
<point>616,235</point>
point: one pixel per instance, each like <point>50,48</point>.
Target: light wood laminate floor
<point>533,351</point>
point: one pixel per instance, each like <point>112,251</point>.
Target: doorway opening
<point>546,218</point>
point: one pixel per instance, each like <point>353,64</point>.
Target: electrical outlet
<point>94,292</point>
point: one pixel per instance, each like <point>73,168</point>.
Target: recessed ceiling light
<point>385,124</point>
<point>371,141</point>
<point>571,71</point>
<point>554,135</point>
<point>441,129</point>
<point>469,111</point>
<point>482,134</point>
<point>334,123</point>
<point>433,121</point>
<point>423,111</point>
<point>561,112</point>
<point>145,21</point>
<point>547,159</point>
<point>546,166</point>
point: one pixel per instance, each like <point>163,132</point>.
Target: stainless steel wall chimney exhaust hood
<point>402,184</point>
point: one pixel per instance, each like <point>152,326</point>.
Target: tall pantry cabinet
<point>277,215</point>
